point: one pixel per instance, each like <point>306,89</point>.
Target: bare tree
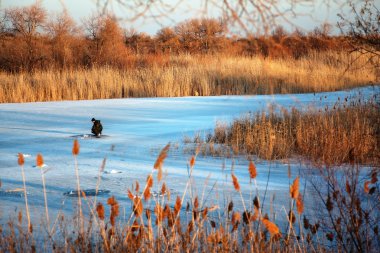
<point>249,16</point>
<point>363,32</point>
<point>200,35</point>
<point>140,43</point>
<point>27,23</point>
<point>168,40</point>
<point>106,40</point>
<point>62,30</point>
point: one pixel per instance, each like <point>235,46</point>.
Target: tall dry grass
<point>346,133</point>
<point>350,222</point>
<point>186,75</point>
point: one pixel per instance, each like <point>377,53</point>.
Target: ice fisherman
<point>96,127</point>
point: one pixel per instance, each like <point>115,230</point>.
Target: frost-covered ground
<point>135,130</point>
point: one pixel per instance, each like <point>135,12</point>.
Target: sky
<point>313,15</point>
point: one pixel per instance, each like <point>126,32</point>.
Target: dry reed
<point>235,182</point>
<point>252,170</point>
<point>186,75</point>
<point>76,147</point>
<point>231,230</point>
<point>299,204</point>
<point>294,188</point>
<point>346,133</point>
<point>21,162</point>
<point>40,164</point>
<point>75,151</point>
<point>100,211</point>
<point>271,227</point>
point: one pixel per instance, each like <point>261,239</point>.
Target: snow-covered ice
<point>135,131</point>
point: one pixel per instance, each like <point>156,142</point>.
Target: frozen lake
<point>136,130</point>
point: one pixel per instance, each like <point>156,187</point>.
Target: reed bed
<point>186,75</point>
<point>346,133</point>
<point>350,223</point>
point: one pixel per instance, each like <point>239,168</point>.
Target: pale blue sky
<point>78,9</point>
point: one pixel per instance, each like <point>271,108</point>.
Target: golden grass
<point>197,229</point>
<point>187,75</point>
<point>346,133</point>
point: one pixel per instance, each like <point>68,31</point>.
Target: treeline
<point>31,40</point>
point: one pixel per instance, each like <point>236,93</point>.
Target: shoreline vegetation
<point>187,75</point>
<point>346,133</point>
<point>53,58</point>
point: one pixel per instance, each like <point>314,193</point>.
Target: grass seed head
<point>100,210</point>
<point>292,217</point>
<point>149,181</point>
<point>190,227</point>
<point>19,218</point>
<point>167,211</point>
<point>39,160</point>
<point>192,161</point>
<point>235,217</point>
<point>230,206</point>
<point>111,201</point>
<point>366,186</point>
<point>137,188</point>
<point>76,147</point>
<point>256,202</point>
<point>299,204</point>
<point>196,203</point>
<point>235,182</point>
<point>147,194</point>
<point>159,174</point>
<point>21,160</point>
<point>246,217</point>
<point>130,195</point>
<point>294,188</point>
<point>177,206</point>
<point>137,206</point>
<point>161,157</point>
<point>252,170</point>
<point>271,227</point>
<point>204,213</point>
<point>114,209</point>
<point>163,189</point>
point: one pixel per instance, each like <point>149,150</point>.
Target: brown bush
<point>347,133</point>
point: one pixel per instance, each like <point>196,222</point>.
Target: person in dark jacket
<point>97,127</point>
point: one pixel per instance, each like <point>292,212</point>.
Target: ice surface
<point>135,129</point>
<point>86,192</point>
